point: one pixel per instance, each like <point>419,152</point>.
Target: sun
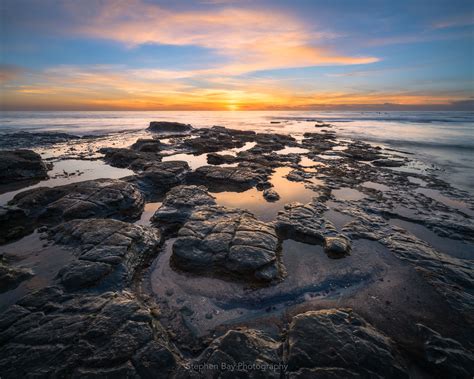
<point>232,107</point>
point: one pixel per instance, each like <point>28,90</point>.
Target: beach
<point>195,233</point>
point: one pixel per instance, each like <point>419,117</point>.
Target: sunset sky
<point>236,55</point>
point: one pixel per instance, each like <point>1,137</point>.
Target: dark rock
<point>271,195</point>
<point>445,357</point>
<point>388,163</point>
<point>169,127</point>
<point>339,339</point>
<point>178,205</point>
<point>217,240</point>
<point>19,165</point>
<point>149,145</point>
<point>104,246</point>
<point>11,276</point>
<point>217,159</point>
<point>24,140</point>
<point>252,353</point>
<point>14,223</point>
<point>53,334</point>
<point>337,247</point>
<point>94,198</point>
<point>298,176</point>
<point>362,151</point>
<point>227,177</point>
<point>124,158</point>
<point>160,177</point>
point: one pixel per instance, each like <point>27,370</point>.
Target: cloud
<point>245,39</point>
<point>10,72</point>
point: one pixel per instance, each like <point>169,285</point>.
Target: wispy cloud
<point>245,39</point>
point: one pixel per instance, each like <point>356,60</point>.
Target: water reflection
<point>253,200</point>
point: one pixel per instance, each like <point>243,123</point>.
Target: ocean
<point>442,139</point>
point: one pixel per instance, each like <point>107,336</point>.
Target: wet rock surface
<point>339,342</point>
<point>21,165</point>
<point>169,127</point>
<point>10,276</point>
<point>179,204</point>
<point>218,241</point>
<point>96,198</point>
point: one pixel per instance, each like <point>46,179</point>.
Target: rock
<point>362,151</point>
<point>24,140</point>
<point>298,176</point>
<point>217,159</point>
<point>451,277</point>
<point>18,165</point>
<point>178,205</point>
<point>227,242</point>
<point>271,195</point>
<point>11,277</point>
<point>337,339</point>
<point>252,353</point>
<point>445,357</point>
<point>105,198</point>
<point>304,223</point>
<point>388,163</point>
<point>240,178</point>
<point>160,177</point>
<point>14,223</point>
<point>127,158</point>
<point>337,247</point>
<point>149,145</point>
<point>103,247</point>
<point>169,127</point>
<point>53,334</point>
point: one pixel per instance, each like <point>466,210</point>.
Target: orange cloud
<point>246,39</point>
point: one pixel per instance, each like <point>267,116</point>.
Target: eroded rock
<point>169,127</point>
<point>218,241</point>
<point>20,165</point>
<point>339,340</point>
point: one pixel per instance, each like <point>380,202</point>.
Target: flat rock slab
<point>106,250</point>
<point>340,343</point>
<point>128,158</point>
<point>179,203</point>
<point>104,198</point>
<point>161,176</point>
<point>227,242</point>
<point>228,177</point>
<point>53,334</point>
<point>19,165</point>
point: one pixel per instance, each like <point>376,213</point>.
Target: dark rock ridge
<point>169,127</point>
<point>453,278</point>
<point>18,165</point>
<point>104,331</point>
<point>103,248</point>
<point>339,343</point>
<point>178,205</point>
<point>28,140</point>
<point>444,356</point>
<point>240,177</point>
<point>218,240</point>
<point>127,158</point>
<point>105,198</point>
<point>14,223</point>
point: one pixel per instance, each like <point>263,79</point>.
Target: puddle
<point>292,150</point>
<point>307,162</point>
<point>253,200</point>
<point>418,181</point>
<point>329,156</point>
<point>236,150</point>
<point>148,212</point>
<point>348,194</point>
<point>72,171</point>
<point>194,161</point>
<point>44,261</point>
<point>453,248</point>
<point>376,186</point>
<point>206,303</point>
<point>337,218</point>
<point>457,204</point>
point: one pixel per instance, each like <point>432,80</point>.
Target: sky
<point>236,55</point>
